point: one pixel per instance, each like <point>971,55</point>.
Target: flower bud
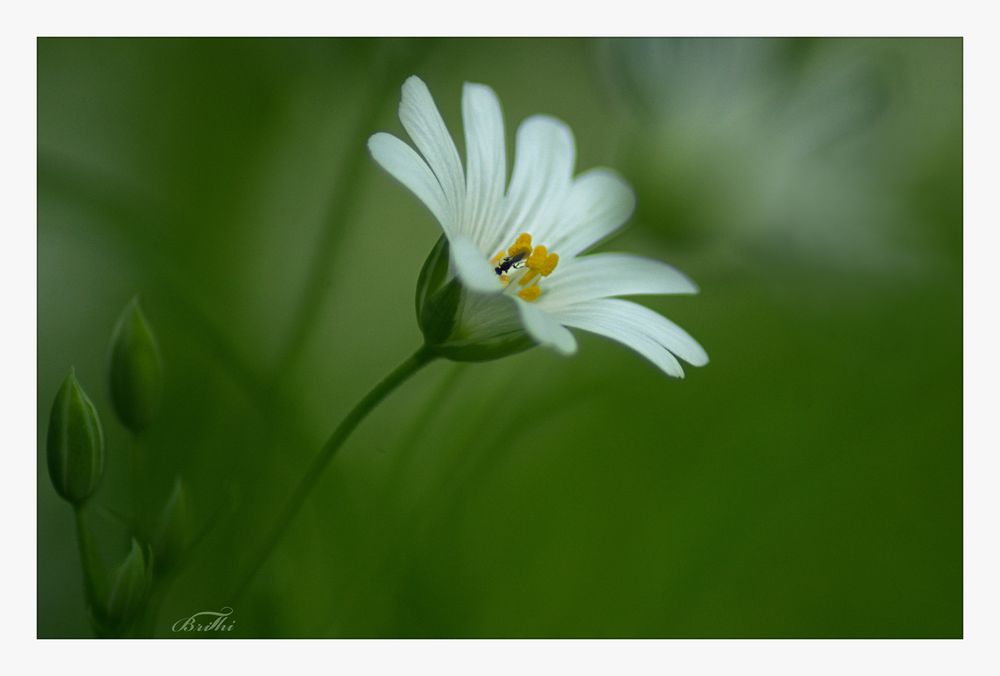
<point>75,443</point>
<point>173,533</point>
<point>128,590</point>
<point>136,371</point>
<point>459,324</point>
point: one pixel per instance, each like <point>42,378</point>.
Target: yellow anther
<point>541,261</point>
<point>537,258</point>
<point>505,279</point>
<point>522,245</point>
<point>528,276</point>
<point>496,259</point>
<point>551,261</point>
<point>530,293</point>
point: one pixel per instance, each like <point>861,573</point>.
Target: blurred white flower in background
<point>748,143</point>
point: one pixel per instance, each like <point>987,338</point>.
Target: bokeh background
<point>806,483</point>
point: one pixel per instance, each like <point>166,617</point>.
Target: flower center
<point>525,263</point>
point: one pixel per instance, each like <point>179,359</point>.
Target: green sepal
<point>75,445</point>
<point>437,299</point>
<point>486,350</point>
<point>128,591</point>
<point>136,369</point>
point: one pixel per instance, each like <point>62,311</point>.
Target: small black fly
<point>511,262</point>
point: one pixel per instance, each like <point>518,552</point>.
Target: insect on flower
<point>515,262</point>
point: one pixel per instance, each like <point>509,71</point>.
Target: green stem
<point>403,372</point>
<point>146,623</point>
<point>94,581</point>
<point>136,473</point>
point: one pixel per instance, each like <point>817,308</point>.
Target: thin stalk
<point>403,372</point>
<point>94,581</point>
<point>136,480</point>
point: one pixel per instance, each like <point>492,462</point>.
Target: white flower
<point>520,248</point>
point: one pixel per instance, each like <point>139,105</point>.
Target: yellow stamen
<point>537,258</point>
<point>538,261</point>
<point>530,293</point>
<point>542,261</point>
<point>522,245</point>
<point>551,261</point>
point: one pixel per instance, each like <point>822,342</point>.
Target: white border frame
<point>515,17</point>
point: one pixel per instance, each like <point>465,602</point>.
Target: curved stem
<point>403,372</point>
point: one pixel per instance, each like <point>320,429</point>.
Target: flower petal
<point>543,171</point>
<point>486,162</point>
<point>422,121</point>
<point>544,328</point>
<point>650,334</point>
<point>599,202</point>
<point>407,167</point>
<point>472,267</point>
<point>605,275</point>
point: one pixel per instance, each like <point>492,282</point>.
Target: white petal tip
<point>377,141</point>
<point>545,329</point>
<point>566,350</point>
<point>695,354</point>
<point>561,340</point>
<point>541,121</point>
<point>476,87</point>
<point>562,343</point>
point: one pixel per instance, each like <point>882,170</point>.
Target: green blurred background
<point>806,483</point>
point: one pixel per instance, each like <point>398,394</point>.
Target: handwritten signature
<point>206,620</point>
